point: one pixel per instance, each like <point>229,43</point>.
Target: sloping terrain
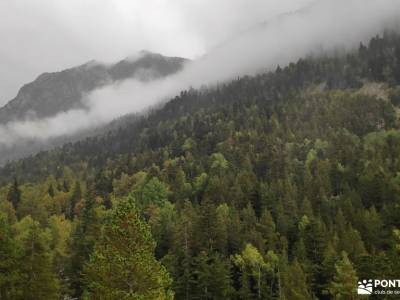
<point>248,187</point>
<point>52,93</point>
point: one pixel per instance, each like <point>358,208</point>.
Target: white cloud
<point>50,35</point>
<point>325,24</point>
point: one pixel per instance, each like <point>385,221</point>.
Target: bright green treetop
<point>123,264</point>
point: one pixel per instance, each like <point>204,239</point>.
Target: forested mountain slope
<point>52,94</point>
<point>284,185</point>
<point>379,62</point>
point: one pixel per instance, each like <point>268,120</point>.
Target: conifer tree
<point>295,285</point>
<point>123,265</point>
<point>75,197</point>
<point>213,279</point>
<point>38,280</point>
<point>83,240</point>
<point>344,283</point>
<point>50,191</point>
<point>153,192</point>
<point>14,194</point>
<point>10,274</point>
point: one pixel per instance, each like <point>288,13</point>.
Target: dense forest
<point>284,185</point>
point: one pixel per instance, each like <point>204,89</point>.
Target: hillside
<point>376,63</point>
<point>54,93</point>
<point>283,185</point>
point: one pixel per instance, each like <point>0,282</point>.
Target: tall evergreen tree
<point>344,283</point>
<point>294,283</point>
<point>10,275</point>
<point>82,242</point>
<point>38,280</point>
<point>123,265</point>
<point>75,198</point>
<point>14,194</point>
<point>212,275</point>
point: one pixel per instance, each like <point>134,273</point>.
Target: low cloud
<point>325,24</point>
<point>47,35</point>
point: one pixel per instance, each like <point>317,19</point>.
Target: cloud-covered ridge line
<point>327,24</point>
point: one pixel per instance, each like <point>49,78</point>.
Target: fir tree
<point>123,265</point>
<point>14,194</point>
<point>10,275</point>
<point>294,283</point>
<point>344,283</point>
<point>38,280</point>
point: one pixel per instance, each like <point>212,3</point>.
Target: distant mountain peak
<point>154,63</point>
<point>52,93</point>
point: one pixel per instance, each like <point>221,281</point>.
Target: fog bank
<point>325,24</point>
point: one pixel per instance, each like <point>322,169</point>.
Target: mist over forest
<point>161,150</point>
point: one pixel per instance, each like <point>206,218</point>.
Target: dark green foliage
<point>284,185</point>
<point>189,113</point>
<point>295,283</point>
<point>82,242</point>
<point>39,282</point>
<point>75,198</point>
<point>51,191</point>
<point>14,194</point>
<point>10,278</point>
<point>344,282</point>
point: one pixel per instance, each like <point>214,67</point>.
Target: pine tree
<point>83,240</point>
<point>10,274</point>
<point>153,192</point>
<point>294,283</point>
<point>65,187</point>
<point>213,279</point>
<point>222,228</point>
<point>315,243</point>
<point>38,280</point>
<point>14,194</point>
<point>222,282</point>
<point>50,191</point>
<point>103,183</point>
<point>344,283</point>
<point>180,261</point>
<point>267,228</point>
<point>163,225</point>
<point>204,276</point>
<point>75,198</point>
<point>123,264</point>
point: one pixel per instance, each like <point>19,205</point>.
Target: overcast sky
<point>238,36</point>
<point>39,36</point>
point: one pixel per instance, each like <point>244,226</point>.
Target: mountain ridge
<point>54,92</point>
<point>347,72</point>
<point>295,169</point>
